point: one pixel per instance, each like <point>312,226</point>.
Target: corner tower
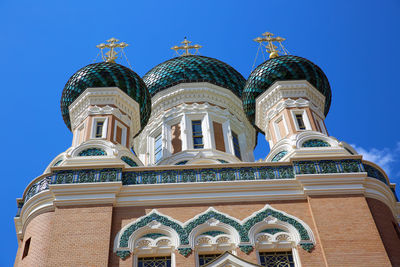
<point>288,97</point>
<point>105,105</point>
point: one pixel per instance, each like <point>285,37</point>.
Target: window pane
<point>158,148</point>
<point>206,258</point>
<point>236,146</point>
<point>99,129</point>
<point>277,259</point>
<point>155,262</point>
<point>197,135</point>
<point>300,122</point>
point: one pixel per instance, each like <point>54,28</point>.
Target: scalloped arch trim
<point>242,227</point>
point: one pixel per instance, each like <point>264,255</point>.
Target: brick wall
<point>38,229</point>
<point>344,228</point>
<point>347,231</point>
<point>80,236</point>
<point>386,225</point>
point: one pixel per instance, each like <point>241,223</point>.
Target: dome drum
<point>287,94</point>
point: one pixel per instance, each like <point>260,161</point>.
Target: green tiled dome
<point>106,74</point>
<point>283,68</point>
<point>193,68</point>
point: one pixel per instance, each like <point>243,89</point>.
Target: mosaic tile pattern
<point>193,68</point>
<point>92,152</point>
<point>270,172</point>
<point>315,143</point>
<point>279,156</point>
<point>272,231</point>
<point>106,74</point>
<point>283,68</point>
<point>129,161</point>
<point>375,173</point>
<point>153,235</point>
<point>213,233</point>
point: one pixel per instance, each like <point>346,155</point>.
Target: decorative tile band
<point>315,143</point>
<point>92,152</point>
<point>269,172</point>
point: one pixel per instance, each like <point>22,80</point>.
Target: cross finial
<point>112,54</point>
<point>272,49</point>
<point>186,48</point>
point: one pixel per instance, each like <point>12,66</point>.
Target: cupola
<point>287,97</point>
<point>105,105</point>
<point>197,114</point>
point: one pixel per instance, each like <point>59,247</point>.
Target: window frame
<point>305,119</point>
<point>219,253</point>
<point>138,257</point>
<point>200,123</point>
<point>236,147</point>
<point>104,127</point>
<point>295,263</point>
<point>124,132</point>
<point>27,246</point>
<point>157,151</point>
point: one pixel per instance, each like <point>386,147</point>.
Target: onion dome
<point>193,68</point>
<point>283,68</point>
<point>106,74</point>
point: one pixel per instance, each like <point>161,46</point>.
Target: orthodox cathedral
<point>161,172</point>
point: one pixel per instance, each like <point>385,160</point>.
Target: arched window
<point>276,245</point>
<point>153,249</point>
<point>212,239</point>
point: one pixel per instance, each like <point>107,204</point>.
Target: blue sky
<point>44,42</point>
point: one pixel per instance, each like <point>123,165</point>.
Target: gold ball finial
<point>273,54</point>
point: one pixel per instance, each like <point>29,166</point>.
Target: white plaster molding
<point>293,144</point>
<point>85,193</point>
<point>271,222</point>
<point>213,225</point>
<point>152,227</point>
<point>127,109</point>
<point>195,111</point>
<point>229,260</point>
<point>287,89</point>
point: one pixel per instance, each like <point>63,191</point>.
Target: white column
<point>165,137</point>
<point>243,146</point>
<point>188,133</point>
<point>226,127</point>
<point>208,132</point>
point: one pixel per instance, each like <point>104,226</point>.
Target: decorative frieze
<point>214,217</point>
<point>267,172</point>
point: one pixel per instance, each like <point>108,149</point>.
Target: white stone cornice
<point>280,90</point>
<point>105,96</point>
<point>198,92</point>
<point>83,194</point>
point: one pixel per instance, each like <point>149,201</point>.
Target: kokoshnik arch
<point>161,171</point>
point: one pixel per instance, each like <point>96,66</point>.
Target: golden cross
<point>111,44</point>
<point>186,47</point>
<point>270,47</point>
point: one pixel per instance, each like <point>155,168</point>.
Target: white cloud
<point>382,157</point>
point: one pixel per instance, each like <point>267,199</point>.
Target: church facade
<point>161,172</point>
